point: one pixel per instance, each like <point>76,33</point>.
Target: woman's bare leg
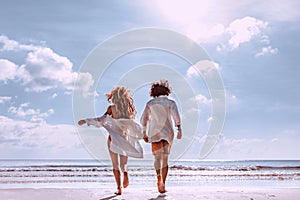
<point>117,175</point>
<point>124,169</point>
<point>116,171</point>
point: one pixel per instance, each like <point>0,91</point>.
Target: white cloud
<point>256,148</point>
<point>231,99</point>
<point>40,139</point>
<point>12,45</point>
<point>239,31</point>
<point>235,146</point>
<point>210,119</point>
<point>202,67</point>
<point>243,30</point>
<point>21,112</point>
<point>202,99</point>
<point>8,70</point>
<point>8,45</point>
<point>35,115</point>
<point>4,99</point>
<point>84,82</point>
<point>203,102</point>
<point>265,39</point>
<point>42,70</point>
<point>267,51</point>
<point>194,19</point>
<point>54,95</point>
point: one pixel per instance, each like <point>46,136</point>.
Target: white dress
<point>125,135</point>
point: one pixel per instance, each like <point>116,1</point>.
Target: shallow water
<point>95,174</point>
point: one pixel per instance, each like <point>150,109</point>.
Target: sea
<point>98,174</point>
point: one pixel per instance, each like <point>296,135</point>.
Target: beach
<point>91,179</point>
<point>150,193</point>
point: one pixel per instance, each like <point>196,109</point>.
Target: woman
<point>157,119</point>
<point>124,133</point>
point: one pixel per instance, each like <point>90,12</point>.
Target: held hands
<point>145,136</point>
<point>146,139</point>
<point>81,122</point>
<point>179,134</point>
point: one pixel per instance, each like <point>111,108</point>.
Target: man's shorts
<point>161,147</point>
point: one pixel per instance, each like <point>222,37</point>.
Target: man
<point>157,128</point>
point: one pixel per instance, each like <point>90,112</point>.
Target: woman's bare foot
<point>126,180</point>
<point>119,191</point>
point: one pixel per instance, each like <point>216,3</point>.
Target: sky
<point>45,46</point>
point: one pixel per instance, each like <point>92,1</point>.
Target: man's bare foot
<point>119,191</point>
<point>126,180</point>
<point>161,187</point>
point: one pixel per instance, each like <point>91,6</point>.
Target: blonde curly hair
<point>123,102</point>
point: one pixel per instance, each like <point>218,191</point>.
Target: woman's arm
<point>94,121</point>
<point>144,120</point>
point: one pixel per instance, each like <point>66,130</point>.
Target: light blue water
<point>95,174</point>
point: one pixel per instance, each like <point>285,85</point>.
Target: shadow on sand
<point>108,198</point>
<point>159,197</point>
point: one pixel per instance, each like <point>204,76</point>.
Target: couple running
<point>124,133</point>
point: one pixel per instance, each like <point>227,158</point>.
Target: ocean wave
<point>55,169</point>
<point>233,168</point>
<point>203,172</point>
<point>51,181</point>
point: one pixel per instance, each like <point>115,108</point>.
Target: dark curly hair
<point>160,88</point>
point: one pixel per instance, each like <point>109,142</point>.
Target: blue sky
<point>253,44</point>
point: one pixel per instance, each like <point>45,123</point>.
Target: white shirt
<point>156,119</point>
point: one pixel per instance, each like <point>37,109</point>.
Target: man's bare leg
<point>158,169</point>
<point>165,167</point>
